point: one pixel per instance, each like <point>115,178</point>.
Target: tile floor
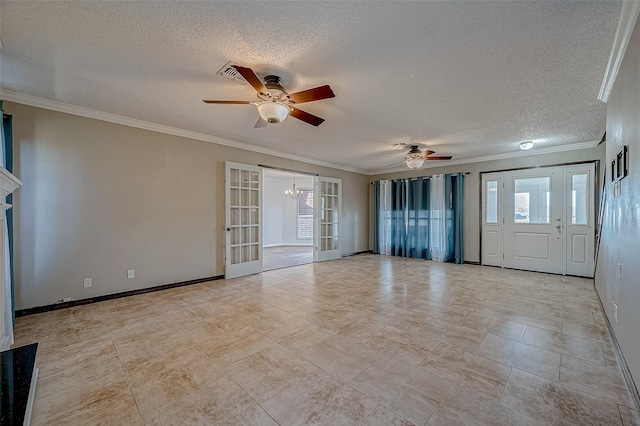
<point>285,256</point>
<point>366,340</point>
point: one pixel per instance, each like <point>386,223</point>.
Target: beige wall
<point>100,198</point>
<point>621,226</point>
<point>472,184</point>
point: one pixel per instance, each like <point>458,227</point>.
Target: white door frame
<point>243,220</point>
<point>572,261</point>
<point>327,217</point>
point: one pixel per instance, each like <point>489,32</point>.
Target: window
<point>532,200</point>
<point>305,215</point>
<point>492,201</point>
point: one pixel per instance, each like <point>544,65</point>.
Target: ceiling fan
<point>415,158</point>
<point>274,103</point>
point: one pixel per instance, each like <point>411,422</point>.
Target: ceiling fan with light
<point>274,103</point>
<point>415,158</point>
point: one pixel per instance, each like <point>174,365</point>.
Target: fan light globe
<point>414,163</point>
<point>273,111</point>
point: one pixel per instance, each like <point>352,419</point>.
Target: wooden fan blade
<point>428,152</point>
<point>252,79</point>
<point>322,92</point>
<point>206,101</point>
<point>442,157</point>
<point>260,123</point>
<point>306,117</point>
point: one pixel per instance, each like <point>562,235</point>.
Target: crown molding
<point>628,18</point>
<point>35,101</point>
<point>504,156</point>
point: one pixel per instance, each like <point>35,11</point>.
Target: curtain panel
<point>419,218</point>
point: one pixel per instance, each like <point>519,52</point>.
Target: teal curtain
<point>458,223</point>
<point>399,212</point>
<point>376,217</point>
<point>412,218</point>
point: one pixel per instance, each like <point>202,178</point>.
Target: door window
<point>532,200</point>
<point>579,199</point>
<point>492,202</point>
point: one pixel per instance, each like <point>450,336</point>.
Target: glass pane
<point>579,199</point>
<point>235,255</point>
<point>492,201</point>
<point>246,255</point>
<point>235,177</point>
<point>244,234</point>
<point>234,197</point>
<point>254,180</point>
<point>254,216</point>
<point>244,194</point>
<point>254,251</point>
<point>244,217</point>
<point>254,197</point>
<point>235,216</point>
<point>254,234</point>
<point>245,179</point>
<point>334,243</point>
<point>235,236</point>
<point>532,200</point>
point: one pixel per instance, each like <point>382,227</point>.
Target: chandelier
<point>293,193</point>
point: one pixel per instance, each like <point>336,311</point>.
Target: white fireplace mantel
<point>8,184</point>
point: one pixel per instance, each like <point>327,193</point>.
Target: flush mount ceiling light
<point>526,145</point>
<point>273,111</point>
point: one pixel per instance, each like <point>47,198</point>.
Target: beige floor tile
<point>361,328</point>
<point>304,338</point>
<point>462,407</point>
<point>269,371</point>
<point>382,416</point>
<point>342,357</point>
<point>455,335</point>
<point>540,320</point>
<point>75,366</point>
<point>630,416</point>
<point>185,387</point>
<point>555,403</point>
<point>597,380</point>
<point>409,347</point>
<point>103,400</point>
<point>467,370</point>
<point>227,347</point>
<point>228,406</point>
<point>319,399</point>
<point>408,391</point>
<point>534,360</point>
<point>586,331</point>
<point>508,329</point>
<point>567,344</point>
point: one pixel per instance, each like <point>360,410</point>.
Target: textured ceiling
<point>467,79</point>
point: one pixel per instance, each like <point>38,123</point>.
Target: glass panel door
<point>492,219</point>
<point>243,234</point>
<point>327,244</point>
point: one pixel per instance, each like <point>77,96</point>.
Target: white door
<point>540,219</point>
<point>492,219</point>
<point>533,210</point>
<point>327,201</point>
<point>243,234</point>
<point>579,219</point>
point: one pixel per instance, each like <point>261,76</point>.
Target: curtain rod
<point>426,177</point>
<point>298,172</point>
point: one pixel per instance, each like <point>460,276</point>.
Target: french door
<point>243,220</point>
<point>540,219</point>
<point>327,238</point>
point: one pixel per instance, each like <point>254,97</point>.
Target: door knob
<point>228,229</point>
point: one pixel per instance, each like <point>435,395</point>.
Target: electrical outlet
<point>131,273</point>
<point>87,283</point>
<point>66,299</point>
<point>615,311</point>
